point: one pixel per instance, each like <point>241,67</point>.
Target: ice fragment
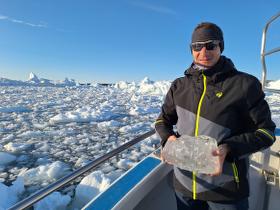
<point>192,153</point>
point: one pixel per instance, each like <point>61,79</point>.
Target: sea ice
<point>143,111</point>
<point>192,153</point>
<point>81,162</point>
<point>113,175</point>
<point>17,109</point>
<point>6,158</point>
<point>124,164</point>
<point>54,201</point>
<point>45,173</point>
<point>274,84</point>
<point>109,124</point>
<point>69,123</point>
<point>30,134</point>
<point>90,187</point>
<point>16,147</point>
<point>9,195</point>
<point>131,128</point>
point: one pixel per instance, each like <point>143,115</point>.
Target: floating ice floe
<point>131,128</point>
<point>109,124</point>
<point>16,109</point>
<point>17,147</point>
<point>125,164</point>
<point>40,126</point>
<point>125,85</point>
<point>143,111</point>
<point>83,116</point>
<point>81,162</point>
<point>30,134</point>
<point>9,195</point>
<point>146,86</point>
<point>45,174</point>
<point>89,187</point>
<point>6,158</point>
<point>274,84</point>
<point>54,201</point>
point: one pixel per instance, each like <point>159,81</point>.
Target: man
<point>215,99</point>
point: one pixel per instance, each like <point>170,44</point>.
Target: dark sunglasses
<point>209,45</point>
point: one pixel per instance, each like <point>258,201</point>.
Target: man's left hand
<point>221,152</point>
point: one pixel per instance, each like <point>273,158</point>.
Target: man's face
<point>206,53</point>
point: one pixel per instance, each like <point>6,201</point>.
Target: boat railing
<point>269,175</point>
<point>37,196</point>
<point>265,53</point>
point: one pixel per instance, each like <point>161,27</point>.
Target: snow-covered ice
<point>274,84</point>
<point>89,187</point>
<point>9,195</point>
<point>44,174</point>
<point>49,130</point>
<point>16,147</point>
<point>53,201</point>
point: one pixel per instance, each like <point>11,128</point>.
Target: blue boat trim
<point>109,198</point>
<point>277,132</point>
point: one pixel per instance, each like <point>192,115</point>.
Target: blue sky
<point>113,40</point>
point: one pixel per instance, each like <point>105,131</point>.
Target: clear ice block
<point>192,153</point>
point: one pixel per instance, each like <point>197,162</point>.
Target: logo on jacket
<point>219,94</point>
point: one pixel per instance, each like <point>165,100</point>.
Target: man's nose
<point>203,50</point>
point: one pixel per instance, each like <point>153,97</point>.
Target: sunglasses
<point>209,45</point>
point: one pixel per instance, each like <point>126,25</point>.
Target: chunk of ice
<point>6,158</point>
<point>54,201</point>
<point>192,153</point>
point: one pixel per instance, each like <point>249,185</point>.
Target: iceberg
<point>192,153</point>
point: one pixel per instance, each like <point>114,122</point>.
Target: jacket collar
<point>222,68</point>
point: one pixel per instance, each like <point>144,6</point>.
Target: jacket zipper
<point>197,127</point>
<point>235,173</point>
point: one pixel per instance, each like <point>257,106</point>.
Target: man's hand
<point>221,152</point>
<point>170,138</point>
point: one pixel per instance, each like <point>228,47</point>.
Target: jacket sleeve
<point>263,135</point>
<point>167,118</point>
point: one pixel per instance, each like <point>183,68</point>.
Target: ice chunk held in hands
<point>192,153</point>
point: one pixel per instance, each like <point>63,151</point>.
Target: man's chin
<point>206,63</point>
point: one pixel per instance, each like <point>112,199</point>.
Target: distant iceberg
<point>33,80</point>
<point>145,86</point>
<point>9,82</point>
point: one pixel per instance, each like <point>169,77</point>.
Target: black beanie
<point>208,31</point>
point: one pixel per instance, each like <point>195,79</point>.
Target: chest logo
<point>219,94</point>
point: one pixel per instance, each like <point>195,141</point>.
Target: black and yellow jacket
<point>227,105</point>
